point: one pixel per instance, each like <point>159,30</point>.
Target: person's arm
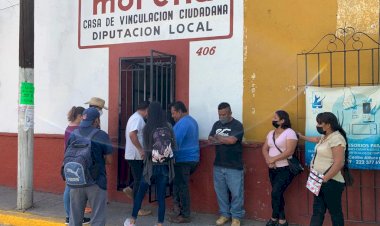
<point>338,158</point>
<point>290,147</point>
<point>225,139</point>
<point>105,144</point>
<point>309,139</point>
<point>265,151</point>
<point>68,141</point>
<point>135,141</point>
<point>180,133</point>
<point>211,137</point>
<point>237,132</point>
<point>108,159</point>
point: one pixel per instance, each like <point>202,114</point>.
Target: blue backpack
<point>80,168</point>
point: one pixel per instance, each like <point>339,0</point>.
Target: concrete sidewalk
<point>48,211</point>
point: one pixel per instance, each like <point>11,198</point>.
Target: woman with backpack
<point>278,147</point>
<point>158,139</point>
<point>330,157</point>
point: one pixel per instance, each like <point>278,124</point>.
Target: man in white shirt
<point>134,152</point>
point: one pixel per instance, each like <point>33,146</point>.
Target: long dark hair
<point>283,115</point>
<point>155,120</point>
<point>330,118</point>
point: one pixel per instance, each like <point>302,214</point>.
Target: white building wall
<point>217,78</point>
<point>64,74</point>
<point>9,66</point>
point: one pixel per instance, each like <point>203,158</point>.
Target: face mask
<point>274,123</point>
<point>320,130</point>
<point>100,112</point>
<point>223,120</point>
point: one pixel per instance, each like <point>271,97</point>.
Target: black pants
<point>280,178</point>
<point>137,167</point>
<point>181,192</point>
<point>330,197</point>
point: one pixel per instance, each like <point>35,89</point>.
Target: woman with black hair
<point>158,166</point>
<point>330,157</point>
<point>278,147</point>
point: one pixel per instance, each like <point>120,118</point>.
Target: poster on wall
<point>358,111</point>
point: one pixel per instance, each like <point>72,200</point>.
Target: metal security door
<point>161,78</point>
<point>142,78</point>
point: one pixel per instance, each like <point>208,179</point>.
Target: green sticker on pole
<point>27,93</point>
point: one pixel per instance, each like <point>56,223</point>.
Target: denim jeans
<point>137,167</point>
<point>229,181</point>
<point>160,175</point>
<point>181,192</point>
<point>280,179</point>
<point>66,200</point>
<point>330,197</point>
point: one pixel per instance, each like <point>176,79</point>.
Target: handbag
<point>314,181</point>
<point>295,166</point>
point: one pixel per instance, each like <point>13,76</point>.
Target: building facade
<point>202,52</point>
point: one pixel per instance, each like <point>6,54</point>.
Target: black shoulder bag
<point>295,166</point>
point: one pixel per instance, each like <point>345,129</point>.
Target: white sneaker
<point>127,222</point>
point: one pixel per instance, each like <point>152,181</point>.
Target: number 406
<point>204,51</point>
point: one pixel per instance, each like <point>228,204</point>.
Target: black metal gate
<point>142,78</point>
<point>346,58</point>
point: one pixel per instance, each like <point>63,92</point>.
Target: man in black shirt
<point>227,134</point>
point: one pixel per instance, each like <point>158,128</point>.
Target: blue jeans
<point>229,181</point>
<point>66,200</point>
<point>160,175</point>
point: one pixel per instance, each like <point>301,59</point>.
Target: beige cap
<point>96,101</point>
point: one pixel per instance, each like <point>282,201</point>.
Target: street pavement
<point>48,211</point>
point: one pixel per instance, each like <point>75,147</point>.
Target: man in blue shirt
<point>186,160</point>
<point>96,193</point>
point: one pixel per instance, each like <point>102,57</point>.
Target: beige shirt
<point>324,156</point>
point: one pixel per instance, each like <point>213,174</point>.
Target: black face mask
<point>320,130</point>
<point>274,123</point>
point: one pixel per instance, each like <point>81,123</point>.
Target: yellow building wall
<point>275,32</point>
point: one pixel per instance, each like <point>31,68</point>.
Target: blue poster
<point>358,111</point>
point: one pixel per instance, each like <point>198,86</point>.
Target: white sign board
<point>106,22</point>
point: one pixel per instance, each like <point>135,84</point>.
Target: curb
<point>22,219</point>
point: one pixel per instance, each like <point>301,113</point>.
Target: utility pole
<point>26,107</point>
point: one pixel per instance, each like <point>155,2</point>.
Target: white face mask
<point>100,112</point>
